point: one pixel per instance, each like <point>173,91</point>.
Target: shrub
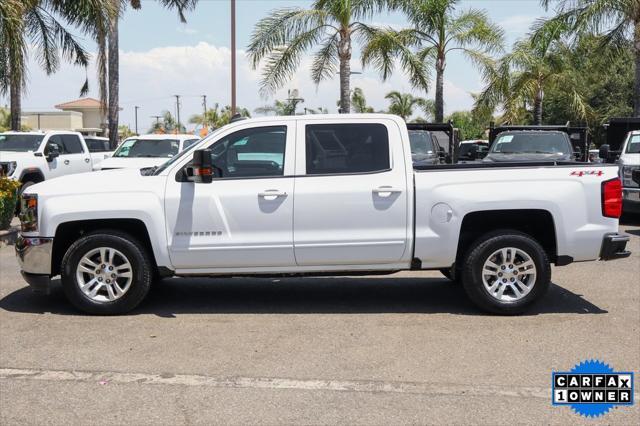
<point>8,199</point>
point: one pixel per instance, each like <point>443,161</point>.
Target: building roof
<point>89,103</point>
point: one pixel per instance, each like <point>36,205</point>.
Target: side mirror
<point>202,169</point>
<point>604,152</point>
<point>53,151</point>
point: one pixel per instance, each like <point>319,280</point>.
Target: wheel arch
<point>537,223</point>
<point>68,232</point>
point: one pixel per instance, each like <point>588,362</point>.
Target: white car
<point>33,157</point>
<point>144,151</point>
<point>467,152</point>
<point>317,194</point>
<point>629,161</point>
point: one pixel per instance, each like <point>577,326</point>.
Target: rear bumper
<point>613,246</point>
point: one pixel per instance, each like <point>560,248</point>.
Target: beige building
<point>82,115</point>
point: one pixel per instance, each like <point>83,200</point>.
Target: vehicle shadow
<point>335,295</point>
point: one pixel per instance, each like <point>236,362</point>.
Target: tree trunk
<point>636,89</point>
<point>537,108</point>
<point>114,83</point>
<point>344,52</point>
<point>16,107</point>
<point>440,65</point>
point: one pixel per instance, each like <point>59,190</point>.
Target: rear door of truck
<point>351,193</point>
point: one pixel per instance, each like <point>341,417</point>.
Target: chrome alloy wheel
<point>509,274</point>
<point>104,274</point>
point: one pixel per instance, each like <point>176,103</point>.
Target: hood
<point>6,156</point>
<point>131,163</point>
<point>103,182</point>
<point>497,157</point>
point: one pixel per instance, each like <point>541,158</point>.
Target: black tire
<point>141,265</point>
<point>482,249</point>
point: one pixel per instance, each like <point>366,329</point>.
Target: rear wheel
<point>106,273</point>
<point>506,272</point>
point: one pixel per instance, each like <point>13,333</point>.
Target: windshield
<point>421,142</point>
<point>20,143</point>
<point>186,151</point>
<point>532,143</point>
<point>633,146</point>
<point>148,148</point>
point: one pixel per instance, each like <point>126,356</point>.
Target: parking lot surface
<point>405,348</point>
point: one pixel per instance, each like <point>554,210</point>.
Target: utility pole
<point>136,114</point>
<point>233,57</point>
<point>204,115</point>
<point>177,112</point>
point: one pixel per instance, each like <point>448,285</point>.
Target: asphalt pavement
<point>405,348</point>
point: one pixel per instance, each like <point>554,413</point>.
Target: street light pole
<point>233,57</point>
<point>136,114</point>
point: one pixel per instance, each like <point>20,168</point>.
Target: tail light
<point>612,198</point>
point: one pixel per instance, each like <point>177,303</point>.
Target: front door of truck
<point>351,198</point>
<point>244,218</point>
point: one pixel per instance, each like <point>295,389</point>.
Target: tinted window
<point>250,153</point>
<point>18,142</point>
<point>56,140</point>
<point>188,143</point>
<point>72,144</point>
<point>97,145</point>
<point>346,148</point>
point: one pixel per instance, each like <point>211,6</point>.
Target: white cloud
<point>149,79</point>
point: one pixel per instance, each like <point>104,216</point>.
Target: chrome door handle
<point>386,191</point>
<point>66,162</point>
<point>271,194</point>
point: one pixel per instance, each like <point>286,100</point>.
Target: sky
<point>161,57</point>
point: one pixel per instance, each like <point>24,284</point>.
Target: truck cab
<point>33,157</point>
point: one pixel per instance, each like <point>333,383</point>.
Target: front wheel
<point>506,272</point>
<point>106,273</point>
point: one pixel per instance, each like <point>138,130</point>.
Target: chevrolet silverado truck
<point>309,195</point>
<point>33,157</point>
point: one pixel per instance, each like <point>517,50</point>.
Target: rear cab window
<point>97,145</point>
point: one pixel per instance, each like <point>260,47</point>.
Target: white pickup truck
<point>325,194</point>
<point>33,157</point>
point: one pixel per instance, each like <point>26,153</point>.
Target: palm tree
<point>285,35</point>
<point>403,104</point>
<point>518,81</point>
<point>436,30</point>
<point>40,25</point>
<point>216,117</point>
<point>359,101</point>
<point>109,57</point>
<point>616,19</point>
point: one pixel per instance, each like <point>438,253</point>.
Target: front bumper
<point>613,246</point>
<point>34,256</point>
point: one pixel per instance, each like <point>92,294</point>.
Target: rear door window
<point>72,144</point>
<point>346,148</point>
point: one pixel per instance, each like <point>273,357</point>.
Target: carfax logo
<point>592,388</point>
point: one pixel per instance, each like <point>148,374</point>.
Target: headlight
<point>7,168</point>
<point>29,212</point>
<point>626,176</point>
